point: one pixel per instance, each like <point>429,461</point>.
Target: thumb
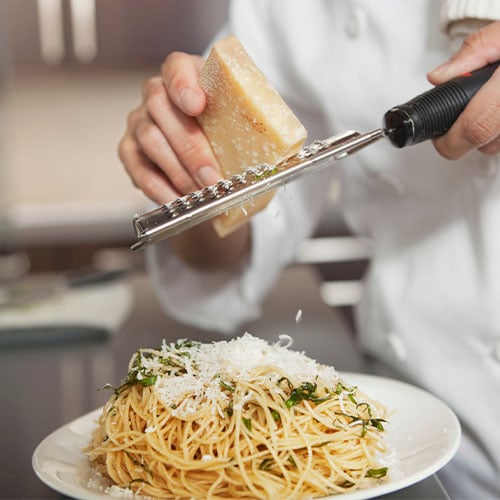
<point>478,49</point>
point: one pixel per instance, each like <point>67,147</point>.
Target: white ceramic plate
<point>423,432</point>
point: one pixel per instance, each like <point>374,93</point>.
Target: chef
<point>431,303</point>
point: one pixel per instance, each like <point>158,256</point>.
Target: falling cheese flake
<point>298,316</point>
<point>285,341</point>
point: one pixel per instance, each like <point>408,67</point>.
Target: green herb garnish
<point>247,423</point>
<point>351,398</point>
<point>365,422</point>
<point>226,386</point>
<point>148,381</point>
<point>266,464</point>
<point>284,379</point>
<point>306,391</point>
<point>276,416</point>
<point>377,473</point>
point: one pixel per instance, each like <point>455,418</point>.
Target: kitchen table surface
<point>46,385</point>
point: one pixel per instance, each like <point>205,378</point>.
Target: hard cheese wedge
<point>246,121</point>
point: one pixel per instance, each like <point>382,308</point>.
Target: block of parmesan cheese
<point>246,121</point>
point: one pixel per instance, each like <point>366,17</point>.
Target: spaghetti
<point>237,419</point>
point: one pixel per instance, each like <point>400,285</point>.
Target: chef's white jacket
<point>431,304</point>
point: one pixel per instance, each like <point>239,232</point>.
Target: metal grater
<point>425,116</point>
<point>199,206</point>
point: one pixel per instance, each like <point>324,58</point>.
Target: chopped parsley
<point>276,416</point>
<point>377,473</point>
<point>226,386</point>
<point>247,422</point>
<point>366,422</point>
<point>171,364</point>
<point>266,464</point>
<point>305,392</point>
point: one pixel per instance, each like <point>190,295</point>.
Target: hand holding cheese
<point>166,155</point>
<point>164,150</point>
<point>198,121</point>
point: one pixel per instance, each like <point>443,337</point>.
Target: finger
<point>180,74</point>
<point>144,174</point>
<point>153,140</point>
<point>157,149</point>
<point>477,126</point>
<point>185,138</point>
<point>478,49</point>
<point>149,85</point>
<point>492,148</point>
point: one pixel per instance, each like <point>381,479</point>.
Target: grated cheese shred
<point>207,367</point>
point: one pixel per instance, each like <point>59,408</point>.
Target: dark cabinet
<point>117,32</point>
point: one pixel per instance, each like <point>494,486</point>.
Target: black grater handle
<point>432,113</point>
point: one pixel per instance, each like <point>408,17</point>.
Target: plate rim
<point>358,378</point>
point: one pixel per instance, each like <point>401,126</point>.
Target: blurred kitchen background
<point>70,72</point>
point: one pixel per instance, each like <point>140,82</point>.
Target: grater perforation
<point>199,206</point>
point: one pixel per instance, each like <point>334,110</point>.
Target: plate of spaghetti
<point>247,419</point>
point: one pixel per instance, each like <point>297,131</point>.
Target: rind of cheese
<point>246,121</point>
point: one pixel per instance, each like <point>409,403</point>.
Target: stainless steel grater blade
<point>194,208</point>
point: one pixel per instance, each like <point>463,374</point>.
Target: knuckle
<point>132,118</point>
<point>189,147</point>
<point>473,41</point>
<point>194,151</point>
<point>122,150</point>
<point>150,84</point>
<point>183,182</point>
<point>155,100</point>
<point>171,57</point>
<point>126,147</point>
<point>169,64</point>
<point>149,186</point>
<point>171,61</point>
<point>491,149</point>
<point>445,152</point>
<point>149,136</point>
<point>480,131</point>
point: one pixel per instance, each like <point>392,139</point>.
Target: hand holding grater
<point>428,115</point>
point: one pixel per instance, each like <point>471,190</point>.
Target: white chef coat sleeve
<point>459,18</point>
<point>459,10</point>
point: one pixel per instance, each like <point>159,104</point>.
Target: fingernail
<point>208,176</point>
<point>440,70</point>
<point>191,101</point>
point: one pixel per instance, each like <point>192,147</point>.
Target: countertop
<point>47,385</point>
